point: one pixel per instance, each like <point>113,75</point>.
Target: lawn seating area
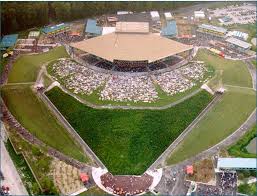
<point>123,138</point>
<point>227,115</point>
<point>26,67</point>
<point>34,116</point>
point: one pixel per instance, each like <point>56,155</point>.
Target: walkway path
<point>252,71</point>
<point>12,177</point>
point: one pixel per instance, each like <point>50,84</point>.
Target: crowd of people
<point>129,88</point>
<point>226,184</point>
<point>65,37</point>
<point>181,79</point>
<point>227,181</point>
<point>126,87</point>
<point>126,185</point>
<point>78,78</point>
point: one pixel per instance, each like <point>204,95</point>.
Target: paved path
<point>12,177</point>
<point>252,71</point>
<point>161,160</point>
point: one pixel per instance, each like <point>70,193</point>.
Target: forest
<point>19,16</point>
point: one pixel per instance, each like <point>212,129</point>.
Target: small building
<point>92,29</point>
<point>212,30</point>
<point>238,34</point>
<point>199,14</point>
<point>108,30</point>
<point>236,164</point>
<point>112,19</point>
<point>168,16</point>
<point>170,30</point>
<point>132,27</point>
<point>155,15</point>
<point>122,12</point>
<point>56,29</point>
<point>33,34</point>
<point>189,169</point>
<point>225,19</point>
<point>8,41</point>
<point>238,44</point>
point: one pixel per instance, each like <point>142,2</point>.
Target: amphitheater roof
<point>131,47</point>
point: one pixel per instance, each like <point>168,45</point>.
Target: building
<point>236,164</point>
<point>122,12</point>
<point>238,34</point>
<point>130,46</point>
<point>212,30</point>
<point>199,14</point>
<point>33,34</point>
<point>59,28</point>
<point>112,19</point>
<point>225,19</point>
<point>108,30</point>
<point>170,30</point>
<point>8,41</point>
<point>168,16</point>
<point>238,44</point>
<point>132,27</point>
<point>92,29</point>
<point>155,15</point>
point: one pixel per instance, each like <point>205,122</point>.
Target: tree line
<point>19,16</point>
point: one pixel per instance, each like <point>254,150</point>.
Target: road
<point>12,178</point>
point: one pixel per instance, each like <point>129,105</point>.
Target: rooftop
<point>91,27</point>
<point>213,28</point>
<point>132,27</point>
<point>34,33</point>
<point>233,163</point>
<point>8,41</point>
<point>131,47</point>
<point>54,28</point>
<point>238,42</point>
<point>170,29</point>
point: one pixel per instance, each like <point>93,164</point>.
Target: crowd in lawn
<point>129,88</point>
<point>125,87</point>
<point>181,79</point>
<point>78,78</point>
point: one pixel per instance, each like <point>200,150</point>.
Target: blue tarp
<point>170,29</point>
<point>54,28</point>
<point>8,41</point>
<point>91,27</point>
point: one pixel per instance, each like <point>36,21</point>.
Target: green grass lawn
<point>248,189</point>
<point>254,63</point>
<point>128,141</point>
<point>239,148</point>
<point>35,117</point>
<point>26,67</point>
<point>94,191</point>
<point>233,72</point>
<point>220,122</point>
